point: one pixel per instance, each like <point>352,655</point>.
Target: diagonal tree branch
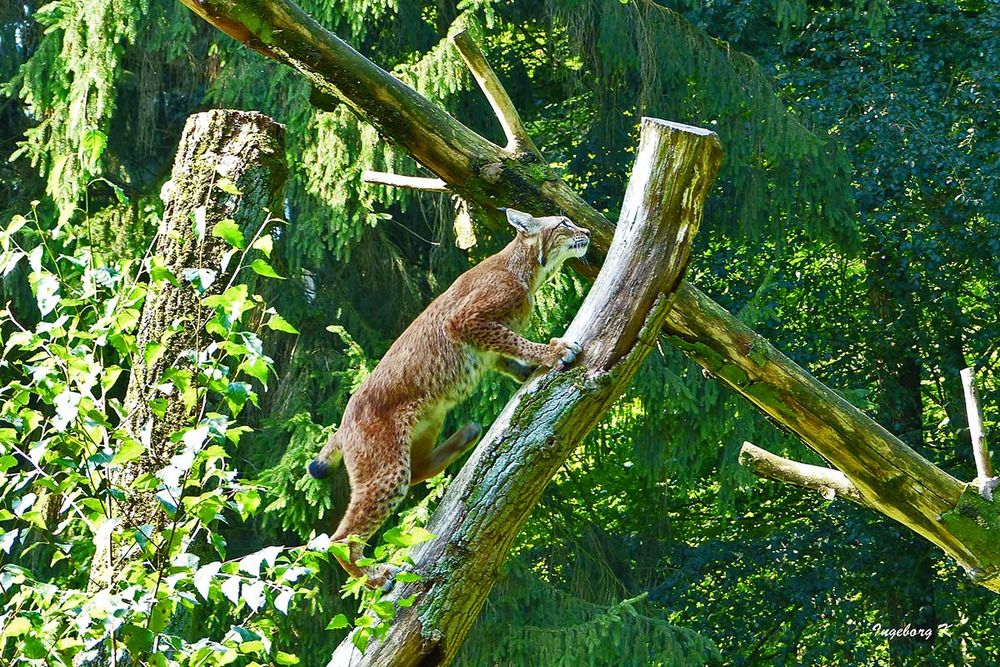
<point>893,478</point>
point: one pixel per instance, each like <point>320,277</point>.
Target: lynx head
<point>555,237</point>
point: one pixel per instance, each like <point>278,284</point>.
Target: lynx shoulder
<point>390,426</point>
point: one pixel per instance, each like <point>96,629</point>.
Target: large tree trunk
<point>892,478</point>
<point>543,423</point>
<point>248,149</point>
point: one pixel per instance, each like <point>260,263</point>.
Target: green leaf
<point>129,451</point>
<point>93,143</point>
<point>152,353</point>
<point>227,186</point>
<point>337,622</point>
<point>255,646</point>
<point>405,577</point>
<point>20,625</point>
<point>261,267</point>
<point>407,538</point>
<point>283,658</point>
<point>202,279</point>
<point>159,272</point>
<point>341,550</point>
<point>256,368</point>
<point>265,244</point>
<point>7,462</point>
<point>230,232</point>
<point>198,222</point>
<point>384,609</point>
<point>279,323</point>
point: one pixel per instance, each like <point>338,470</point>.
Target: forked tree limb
<point>488,502</point>
<point>828,482</point>
<point>893,478</point>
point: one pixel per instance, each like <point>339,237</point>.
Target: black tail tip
<point>318,469</point>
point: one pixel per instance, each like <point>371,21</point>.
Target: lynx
<point>387,434</point>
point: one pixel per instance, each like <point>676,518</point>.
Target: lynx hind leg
<point>447,452</point>
<point>373,500</point>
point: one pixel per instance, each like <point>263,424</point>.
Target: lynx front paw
<point>564,352</point>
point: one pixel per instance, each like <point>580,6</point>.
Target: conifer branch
<point>518,140</point>
<point>828,482</point>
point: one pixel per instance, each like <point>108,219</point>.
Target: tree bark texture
<point>248,149</point>
<point>486,505</point>
<point>893,479</point>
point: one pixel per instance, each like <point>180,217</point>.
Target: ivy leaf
<point>230,232</point>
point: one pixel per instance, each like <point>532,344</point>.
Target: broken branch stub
<point>828,482</point>
<point>488,502</point>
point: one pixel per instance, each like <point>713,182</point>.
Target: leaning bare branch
<point>828,482</point>
<point>518,140</point>
<point>985,481</point>
<point>400,181</point>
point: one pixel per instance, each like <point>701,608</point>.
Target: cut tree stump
<point>247,149</point>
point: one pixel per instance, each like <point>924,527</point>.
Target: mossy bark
<point>892,477</point>
<point>248,149</point>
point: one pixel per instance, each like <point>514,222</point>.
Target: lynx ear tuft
<point>523,222</point>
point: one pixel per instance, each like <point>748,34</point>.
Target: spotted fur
<point>390,425</point>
